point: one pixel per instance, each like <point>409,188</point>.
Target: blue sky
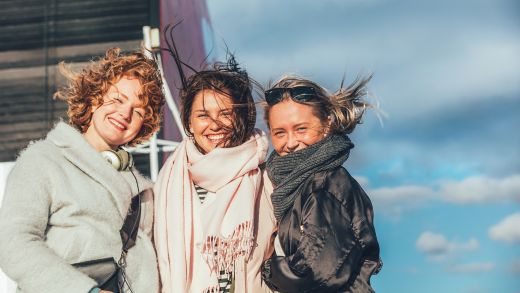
<point>443,170</point>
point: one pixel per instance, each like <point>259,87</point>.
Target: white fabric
<point>186,231</point>
<point>65,204</point>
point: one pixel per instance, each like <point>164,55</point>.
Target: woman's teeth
<point>215,137</point>
<point>117,124</point>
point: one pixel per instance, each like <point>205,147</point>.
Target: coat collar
<point>80,153</point>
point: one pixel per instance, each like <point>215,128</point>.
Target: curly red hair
<point>87,88</point>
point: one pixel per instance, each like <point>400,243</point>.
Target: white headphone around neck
<point>120,159</point>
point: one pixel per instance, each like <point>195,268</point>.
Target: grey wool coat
<point>65,204</point>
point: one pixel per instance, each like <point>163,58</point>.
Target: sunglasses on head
<point>298,94</point>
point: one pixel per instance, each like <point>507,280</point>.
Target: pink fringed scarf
<point>195,242</point>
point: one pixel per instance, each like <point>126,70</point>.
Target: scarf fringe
<point>221,254</point>
<point>212,289</point>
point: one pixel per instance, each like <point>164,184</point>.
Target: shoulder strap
<point>131,224</point>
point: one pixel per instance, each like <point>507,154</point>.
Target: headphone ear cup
<point>130,161</point>
<point>112,158</point>
<point>127,160</point>
<point>121,160</point>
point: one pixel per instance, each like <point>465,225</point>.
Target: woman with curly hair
<point>325,220</point>
<point>209,193</point>
<point>68,195</point>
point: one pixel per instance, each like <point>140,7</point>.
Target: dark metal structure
<point>37,34</point>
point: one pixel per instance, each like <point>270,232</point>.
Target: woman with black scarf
<point>327,241</point>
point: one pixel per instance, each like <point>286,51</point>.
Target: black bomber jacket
<point>328,238</point>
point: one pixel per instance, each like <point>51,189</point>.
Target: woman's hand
<point>103,291</point>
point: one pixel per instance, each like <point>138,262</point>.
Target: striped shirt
<point>225,279</point>
<point>201,192</point>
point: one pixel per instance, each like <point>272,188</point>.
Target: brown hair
<point>227,79</point>
<point>344,108</point>
<point>87,88</point>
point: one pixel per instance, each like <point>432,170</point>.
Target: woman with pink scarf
<point>210,197</point>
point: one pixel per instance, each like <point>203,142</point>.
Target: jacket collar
<point>80,153</point>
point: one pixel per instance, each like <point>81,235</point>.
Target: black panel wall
<point>34,36</point>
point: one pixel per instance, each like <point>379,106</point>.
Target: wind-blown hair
<point>226,78</point>
<point>87,88</point>
<point>344,108</point>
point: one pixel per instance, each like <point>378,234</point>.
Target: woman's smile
<point>215,138</point>
<point>117,124</point>
<point>211,114</point>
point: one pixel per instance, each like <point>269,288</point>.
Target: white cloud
<point>402,193</point>
<point>471,267</point>
<point>432,243</point>
<point>438,248</point>
<point>393,201</point>
<point>481,189</point>
<point>451,64</point>
<point>508,230</point>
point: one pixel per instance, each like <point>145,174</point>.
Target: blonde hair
<point>343,108</point>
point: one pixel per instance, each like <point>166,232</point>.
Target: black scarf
<point>289,171</point>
